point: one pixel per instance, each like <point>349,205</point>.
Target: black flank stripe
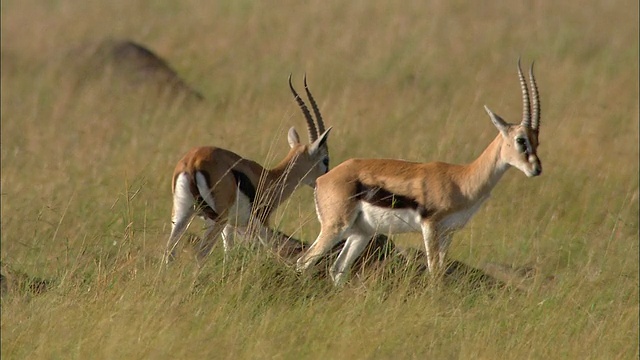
<point>378,196</point>
<point>245,185</point>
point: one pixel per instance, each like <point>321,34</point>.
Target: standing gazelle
<point>362,197</point>
<point>230,192</point>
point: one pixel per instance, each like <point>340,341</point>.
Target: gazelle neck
<point>480,176</point>
<point>282,180</point>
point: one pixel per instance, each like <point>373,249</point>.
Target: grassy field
<point>87,161</point>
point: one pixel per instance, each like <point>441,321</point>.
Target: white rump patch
<point>182,198</point>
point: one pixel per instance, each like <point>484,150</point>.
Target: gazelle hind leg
<point>211,233</point>
<point>181,215</point>
<point>353,248</point>
<point>330,235</point>
<point>337,213</point>
<point>325,241</point>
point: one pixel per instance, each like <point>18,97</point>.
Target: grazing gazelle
<point>233,193</point>
<point>362,197</point>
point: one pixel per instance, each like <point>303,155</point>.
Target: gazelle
<point>232,193</point>
<point>362,197</point>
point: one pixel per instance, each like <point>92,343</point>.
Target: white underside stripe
<point>205,191</point>
<point>375,219</point>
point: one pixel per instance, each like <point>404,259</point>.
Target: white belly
<point>239,214</point>
<point>380,220</point>
<point>374,219</point>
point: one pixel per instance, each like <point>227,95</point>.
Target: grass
<point>86,166</point>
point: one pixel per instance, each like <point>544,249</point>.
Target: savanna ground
<point>86,166</point>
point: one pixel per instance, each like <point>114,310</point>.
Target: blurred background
<point>93,124</point>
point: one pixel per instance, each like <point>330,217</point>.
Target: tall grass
<point>86,168</point>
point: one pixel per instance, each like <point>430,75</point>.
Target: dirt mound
<point>129,66</point>
<point>381,252</point>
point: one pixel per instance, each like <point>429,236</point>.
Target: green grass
<point>86,172</point>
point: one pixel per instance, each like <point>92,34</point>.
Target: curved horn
<point>313,134</point>
<point>526,107</point>
<point>535,98</point>
<point>314,106</point>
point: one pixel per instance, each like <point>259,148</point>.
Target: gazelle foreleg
<point>253,229</point>
<point>282,244</point>
<point>430,237</point>
<point>265,235</point>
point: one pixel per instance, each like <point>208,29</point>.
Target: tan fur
<point>276,184</point>
<point>437,198</point>
<point>303,164</point>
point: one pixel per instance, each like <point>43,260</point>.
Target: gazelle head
<point>520,142</point>
<point>311,160</point>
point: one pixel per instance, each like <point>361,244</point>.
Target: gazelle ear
<point>293,138</point>
<point>499,123</point>
<point>320,142</point>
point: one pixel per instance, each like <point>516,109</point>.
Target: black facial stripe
<point>245,185</point>
<point>378,196</point>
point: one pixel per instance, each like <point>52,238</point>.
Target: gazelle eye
<point>521,142</point>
